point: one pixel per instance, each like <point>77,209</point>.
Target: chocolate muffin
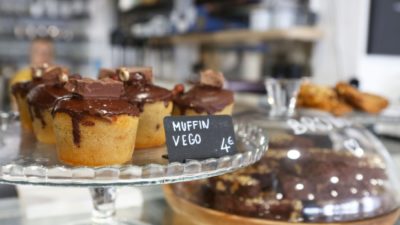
<point>42,74</point>
<point>206,98</point>
<point>41,100</point>
<point>95,126</point>
<point>154,103</point>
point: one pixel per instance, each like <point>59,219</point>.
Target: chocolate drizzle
<point>139,88</point>
<point>48,76</point>
<point>204,98</point>
<point>96,98</point>
<point>22,88</point>
<point>139,94</point>
<point>78,108</point>
<point>43,97</point>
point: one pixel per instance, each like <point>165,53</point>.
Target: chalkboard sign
<point>199,137</point>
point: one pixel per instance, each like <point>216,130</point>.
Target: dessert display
<point>340,100</point>
<point>154,102</point>
<point>206,98</point>
<point>95,126</point>
<point>317,170</point>
<point>41,100</point>
<point>101,122</point>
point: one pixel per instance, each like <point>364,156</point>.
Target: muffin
<point>20,91</point>
<point>154,102</point>
<point>41,100</point>
<point>206,98</point>
<point>95,126</point>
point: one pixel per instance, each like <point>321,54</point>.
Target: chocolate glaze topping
<point>78,108</point>
<point>139,88</point>
<point>43,74</point>
<point>204,98</point>
<point>135,75</point>
<point>51,75</point>
<point>43,97</point>
<point>147,93</point>
<point>101,99</point>
<point>22,88</point>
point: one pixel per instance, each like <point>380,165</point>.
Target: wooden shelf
<point>305,34</point>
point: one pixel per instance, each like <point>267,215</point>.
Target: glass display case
<point>319,169</point>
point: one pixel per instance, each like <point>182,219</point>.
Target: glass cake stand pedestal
<point>25,161</point>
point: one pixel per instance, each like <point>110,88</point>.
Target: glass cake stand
<point>25,161</point>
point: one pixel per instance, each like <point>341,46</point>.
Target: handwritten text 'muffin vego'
<point>189,126</point>
<point>192,138</point>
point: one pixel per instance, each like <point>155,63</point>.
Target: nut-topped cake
<point>20,90</point>
<point>154,102</point>
<point>41,100</point>
<point>95,126</point>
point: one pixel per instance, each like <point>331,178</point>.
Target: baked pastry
<point>339,100</point>
<point>95,126</point>
<point>154,103</point>
<point>364,101</point>
<point>279,188</point>
<point>20,91</point>
<point>208,97</point>
<point>41,100</point>
<point>322,98</point>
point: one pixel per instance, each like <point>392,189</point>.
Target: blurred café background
<point>246,39</point>
<point>326,41</point>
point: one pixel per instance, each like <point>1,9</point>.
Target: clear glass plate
<point>25,161</point>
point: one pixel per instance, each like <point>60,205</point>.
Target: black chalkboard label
<point>199,137</point>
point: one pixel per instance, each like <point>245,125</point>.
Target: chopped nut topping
<point>212,78</point>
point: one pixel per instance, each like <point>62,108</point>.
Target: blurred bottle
<point>260,17</point>
<point>284,14</point>
<point>183,15</point>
